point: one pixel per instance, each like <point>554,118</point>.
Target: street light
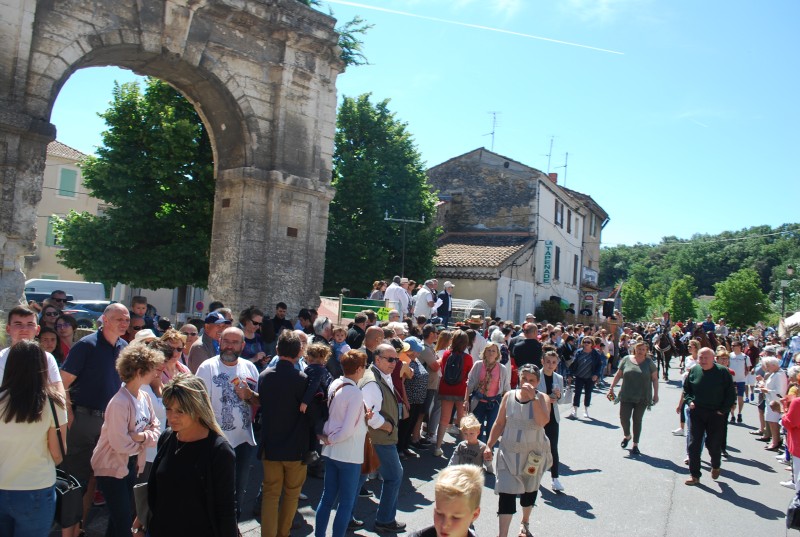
<point>784,285</point>
<point>404,221</point>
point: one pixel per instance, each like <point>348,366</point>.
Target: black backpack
<point>453,369</point>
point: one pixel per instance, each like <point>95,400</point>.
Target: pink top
<point>494,382</point>
<point>110,457</point>
<point>180,368</point>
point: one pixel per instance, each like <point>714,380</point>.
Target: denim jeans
<point>341,479</point>
<point>392,473</point>
<point>27,513</point>
<point>244,458</point>
<point>487,412</point>
<point>119,500</point>
<point>585,385</point>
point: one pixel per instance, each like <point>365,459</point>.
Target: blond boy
<point>458,502</point>
<point>470,450</point>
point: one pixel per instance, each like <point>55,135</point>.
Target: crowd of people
<point>190,412</point>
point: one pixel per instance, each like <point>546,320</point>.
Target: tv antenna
<point>566,161</point>
<point>550,153</point>
<point>494,126</point>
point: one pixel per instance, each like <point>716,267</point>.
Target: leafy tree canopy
<point>376,169</point>
<point>634,300</point>
<point>155,172</point>
<point>740,300</point>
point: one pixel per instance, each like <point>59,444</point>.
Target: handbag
<point>567,395</point>
<point>142,507</point>
<point>793,514</point>
<point>534,463</point>
<point>371,461</point>
<point>69,492</point>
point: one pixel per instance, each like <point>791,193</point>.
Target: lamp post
<point>784,285</point>
<point>404,221</point>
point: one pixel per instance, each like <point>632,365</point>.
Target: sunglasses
<point>255,323</point>
<point>59,299</point>
<point>177,349</point>
<point>391,360</point>
<point>52,314</point>
<point>137,327</point>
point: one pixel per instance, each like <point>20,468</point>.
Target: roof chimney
<point>553,177</point>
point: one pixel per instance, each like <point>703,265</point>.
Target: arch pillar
<point>23,148</point>
<point>268,238</point>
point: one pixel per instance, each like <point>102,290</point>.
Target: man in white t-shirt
<point>740,363</point>
<point>231,383</point>
<point>424,301</point>
<point>22,325</point>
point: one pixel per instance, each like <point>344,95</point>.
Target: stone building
<point>62,192</point>
<point>512,236</point>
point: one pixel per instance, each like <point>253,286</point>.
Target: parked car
<point>86,312</point>
<point>39,297</point>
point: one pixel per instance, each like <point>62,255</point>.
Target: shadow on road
<point>657,462</point>
<point>600,423</point>
<point>565,470</point>
<point>566,502</point>
<point>728,494</point>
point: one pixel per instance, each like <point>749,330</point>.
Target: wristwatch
<point>136,530</point>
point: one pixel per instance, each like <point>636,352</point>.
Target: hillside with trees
<point>672,274</point>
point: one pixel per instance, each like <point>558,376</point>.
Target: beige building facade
<point>62,192</point>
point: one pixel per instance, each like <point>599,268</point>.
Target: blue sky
<point>685,122</point>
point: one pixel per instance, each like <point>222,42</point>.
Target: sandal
<point>624,442</point>
<point>525,530</point>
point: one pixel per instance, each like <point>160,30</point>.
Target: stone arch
<point>261,75</point>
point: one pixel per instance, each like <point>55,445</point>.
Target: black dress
<point>191,488</point>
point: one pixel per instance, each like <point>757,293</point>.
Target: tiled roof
<point>473,250</point>
<point>57,149</point>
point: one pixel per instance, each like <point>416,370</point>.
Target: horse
<point>664,350</point>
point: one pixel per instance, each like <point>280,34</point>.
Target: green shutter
<point>68,183</point>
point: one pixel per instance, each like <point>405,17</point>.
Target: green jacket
<point>389,408</point>
<point>713,389</point>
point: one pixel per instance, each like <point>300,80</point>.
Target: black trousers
<point>507,503</point>
<point>551,430</point>
<point>407,426</point>
<point>708,422</point>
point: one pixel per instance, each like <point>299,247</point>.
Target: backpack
<point>453,369</point>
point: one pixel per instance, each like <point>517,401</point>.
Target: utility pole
<point>404,222</point>
<point>566,161</point>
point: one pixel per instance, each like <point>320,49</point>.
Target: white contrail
<point>468,25</point>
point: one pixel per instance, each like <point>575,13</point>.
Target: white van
<point>79,290</point>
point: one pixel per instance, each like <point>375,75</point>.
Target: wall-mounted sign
<point>548,261</point>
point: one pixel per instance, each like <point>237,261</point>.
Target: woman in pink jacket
<point>791,422</point>
<point>130,427</point>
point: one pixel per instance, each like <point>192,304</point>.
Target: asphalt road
<point>608,492</point>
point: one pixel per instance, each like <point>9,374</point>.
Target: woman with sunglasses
<point>65,328</point>
<point>172,364</point>
<point>49,315</point>
<point>254,347</point>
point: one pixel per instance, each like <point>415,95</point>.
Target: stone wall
<point>261,74</point>
<point>488,193</point>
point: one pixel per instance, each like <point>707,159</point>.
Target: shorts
<point>81,441</point>
<point>750,379</point>
<point>455,398</point>
<point>740,389</point>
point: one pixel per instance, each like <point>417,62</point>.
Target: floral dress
<point>521,436</point>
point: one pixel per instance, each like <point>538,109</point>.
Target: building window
<point>593,226</point>
<point>50,238</point>
<point>575,271</point>
<point>577,222</point>
<point>68,183</point>
<point>558,219</point>
<point>557,271</point>
<point>569,221</point>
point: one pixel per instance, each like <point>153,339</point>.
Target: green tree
<point>740,299</point>
<point>352,52</point>
<point>634,300</point>
<point>376,170</point>
<point>680,299</point>
<point>155,171</point>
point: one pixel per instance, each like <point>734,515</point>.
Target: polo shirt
<point>93,362</point>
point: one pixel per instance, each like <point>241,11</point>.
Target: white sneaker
<point>437,452</point>
<point>302,497</point>
<point>574,413</point>
<point>453,430</point>
<point>557,486</point>
<point>679,432</point>
<point>586,413</point>
<point>788,484</point>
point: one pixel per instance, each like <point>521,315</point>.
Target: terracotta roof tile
<point>478,250</point>
<point>57,149</point>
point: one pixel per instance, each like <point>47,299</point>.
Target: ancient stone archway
<point>261,73</point>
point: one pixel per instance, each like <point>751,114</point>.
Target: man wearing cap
<point>207,346</point>
<point>722,328</point>
<point>476,323</point>
<point>231,382</point>
<point>445,311</point>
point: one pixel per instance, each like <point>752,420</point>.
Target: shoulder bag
<point>69,492</point>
